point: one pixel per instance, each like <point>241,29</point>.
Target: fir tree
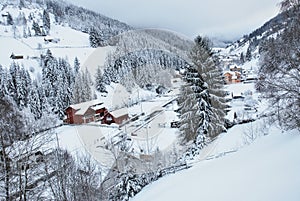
<point>242,58</point>
<point>35,103</point>
<point>100,86</point>
<point>206,64</point>
<point>46,22</point>
<point>94,38</point>
<point>195,108</point>
<point>36,29</point>
<point>76,65</point>
<point>248,54</point>
<point>10,20</point>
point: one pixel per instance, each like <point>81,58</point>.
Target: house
<point>13,56</point>
<point>85,112</point>
<point>49,39</point>
<point>4,17</point>
<point>118,116</point>
<point>94,111</point>
<point>235,68</point>
<point>232,77</point>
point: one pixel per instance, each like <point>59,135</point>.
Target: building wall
<point>70,112</point>
<point>121,119</point>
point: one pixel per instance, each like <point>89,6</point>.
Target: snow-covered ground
<point>252,161</point>
<point>267,169</point>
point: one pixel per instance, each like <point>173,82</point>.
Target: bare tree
<point>11,125</point>
<point>280,75</point>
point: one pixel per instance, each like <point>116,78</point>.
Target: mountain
<point>251,42</point>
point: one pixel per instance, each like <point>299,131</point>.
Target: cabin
<point>13,56</point>
<point>94,111</point>
<point>117,117</point>
<point>232,77</point>
<point>235,68</point>
<point>49,39</point>
<point>85,112</point>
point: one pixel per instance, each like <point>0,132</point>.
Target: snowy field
<point>267,169</point>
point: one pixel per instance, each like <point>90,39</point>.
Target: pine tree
<point>21,4</point>
<point>242,58</point>
<point>24,32</point>
<point>29,32</point>
<point>206,64</point>
<point>195,108</point>
<point>35,103</point>
<point>82,90</point>
<point>10,20</point>
<point>46,21</point>
<point>23,82</point>
<point>94,38</point>
<point>100,86</point>
<point>36,29</point>
<point>76,65</point>
<point>248,54</point>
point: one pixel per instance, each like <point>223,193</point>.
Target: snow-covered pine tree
<point>82,91</point>
<point>76,65</point>
<point>248,54</point>
<point>206,64</point>
<point>23,83</point>
<point>46,21</point>
<point>100,85</point>
<point>10,20</point>
<point>36,29</point>
<point>34,101</point>
<point>195,108</point>
<point>94,38</point>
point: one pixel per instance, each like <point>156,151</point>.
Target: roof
<point>81,108</point>
<point>48,38</point>
<point>234,66</point>
<point>119,112</point>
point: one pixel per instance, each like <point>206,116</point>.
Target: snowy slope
<point>266,170</point>
<point>69,43</point>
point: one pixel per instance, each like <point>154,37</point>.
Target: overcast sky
<point>228,19</point>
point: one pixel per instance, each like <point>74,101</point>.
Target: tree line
<point>60,85</point>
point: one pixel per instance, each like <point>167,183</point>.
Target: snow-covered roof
<point>119,112</point>
<point>48,38</point>
<point>234,66</point>
<point>229,72</point>
<point>251,76</point>
<point>83,107</point>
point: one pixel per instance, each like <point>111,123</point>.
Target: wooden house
<point>13,56</point>
<point>85,112</point>
<point>235,68</point>
<point>232,77</point>
<point>94,111</point>
<point>117,116</point>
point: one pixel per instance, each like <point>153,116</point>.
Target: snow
<point>268,169</point>
<point>96,59</point>
<point>82,107</point>
<point>87,140</point>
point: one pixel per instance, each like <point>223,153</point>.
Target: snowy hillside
<point>268,169</point>
<point>69,42</point>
